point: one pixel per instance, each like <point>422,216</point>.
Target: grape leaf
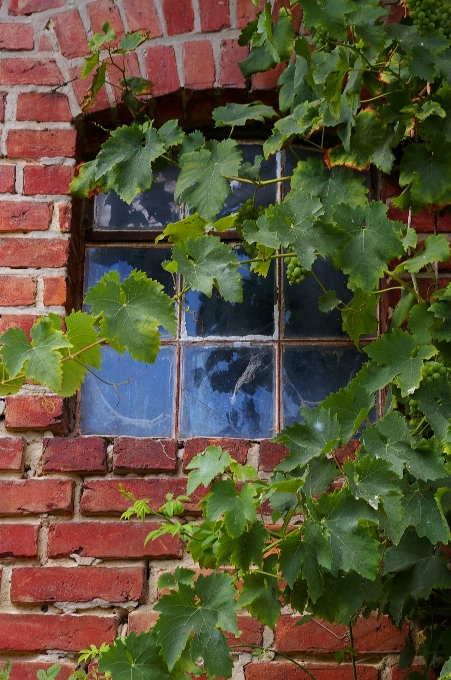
<point>81,333</point>
<point>131,313</point>
<point>135,657</point>
<point>291,557</point>
<point>435,402</point>
<point>245,549</point>
<point>180,575</point>
<point>271,43</point>
<point>420,319</point>
<point>436,249</point>
<point>202,182</point>
<point>317,556</point>
<point>190,227</point>
<point>370,478</point>
<point>238,114</point>
<point>206,466</point>
<point>206,263</point>
<point>331,14</point>
<point>366,136</point>
<point>347,594</point>
<point>200,609</point>
<point>328,301</point>
<point>84,182</point>
<point>359,316</point>
<point>426,167</point>
<point>171,134</point>
<point>260,593</point>
<point>237,506</point>
<point>9,385</point>
<point>421,510</point>
<point>321,472</point>
<point>351,405</point>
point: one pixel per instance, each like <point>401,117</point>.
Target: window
<point>235,370</point>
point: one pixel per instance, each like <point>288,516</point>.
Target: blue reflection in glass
<point>142,407</point>
<point>311,373</point>
<point>254,316</point>
<point>227,391</point>
<point>152,210</point>
<point>302,317</point>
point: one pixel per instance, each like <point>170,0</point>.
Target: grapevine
<point>295,272</point>
<point>431,15</point>
<point>248,211</point>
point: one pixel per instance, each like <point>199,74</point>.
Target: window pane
<point>254,316</point>
<point>152,210</point>
<point>311,373</point>
<point>227,391</point>
<point>142,407</point>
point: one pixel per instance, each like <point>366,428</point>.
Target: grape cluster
<point>248,211</point>
<point>431,15</point>
<point>321,40</point>
<point>295,272</point>
<point>430,372</point>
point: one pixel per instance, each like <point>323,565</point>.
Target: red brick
<point>285,670</point>
<point>34,412</point>
<point>245,12</point>
<point>7,179</point>
<point>162,70</point>
<point>71,34</point>
<point>271,455</point>
<point>45,44</point>
<point>43,632</point>
<point>34,252</point>
<point>25,216</point>
<point>214,16</point>
<point>379,635</point>
<point>198,52</point>
<point>16,36</point>
<point>23,321</point>
<point>37,143</point>
<point>47,179</point>
<point>30,72</point>
<point>2,106</point>
<point>19,7</point>
<point>231,54</point>
<point>17,290</point>
<point>238,448</point>
<point>19,540</point>
<point>43,107</point>
<point>55,290</point>
<point>77,584</point>
<point>179,16</point>
<point>64,216</point>
<point>110,540</point>
<point>81,86</point>
<point>36,496</point>
<point>105,10</point>
<point>11,453</point>
<point>141,15</point>
<point>80,454</point>
<point>26,670</point>
<point>269,79</point>
<point>149,455</point>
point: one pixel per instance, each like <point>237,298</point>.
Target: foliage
<point>359,92</point>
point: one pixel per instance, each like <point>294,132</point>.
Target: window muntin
<point>236,370</point>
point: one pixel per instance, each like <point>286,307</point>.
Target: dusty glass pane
<point>142,407</point>
<point>302,317</point>
<point>227,391</point>
<point>254,316</point>
<point>311,373</point>
<point>153,209</point>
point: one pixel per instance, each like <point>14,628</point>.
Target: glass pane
<point>143,406</point>
<point>153,209</point>
<point>311,373</point>
<point>302,317</point>
<point>227,391</point>
<point>254,316</point>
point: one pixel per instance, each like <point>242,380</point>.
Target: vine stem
<point>404,284</point>
<point>351,642</point>
<point>285,656</point>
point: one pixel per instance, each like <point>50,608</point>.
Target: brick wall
<point>72,574</point>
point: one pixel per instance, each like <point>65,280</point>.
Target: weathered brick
<point>35,412</point>
<point>246,11</point>
<point>42,632</point>
<point>214,16</point>
<point>162,70</point>
<point>238,448</point>
<point>38,143</point>
<point>43,107</point>
<point>110,540</point>
<point>230,73</point>
<point>45,44</point>
<point>81,86</point>
<point>267,80</point>
<point>7,179</point>
<point>2,106</point>
<point>197,52</point>
<point>11,453</point>
<point>102,497</point>
<point>379,635</point>
<point>29,71</point>
<point>55,290</point>
<point>271,455</point>
<point>179,16</point>
<point>64,211</point>
<point>149,455</point>
<point>19,540</point>
<point>77,584</point>
<point>105,10</point>
<point>25,216</point>
<point>70,33</point>
<point>34,252</point>
<point>36,496</point>
<point>17,290</point>
<point>19,7</point>
<point>285,670</point>
<point>23,321</point>
<point>47,179</point>
<point>141,15</point>
<point>16,36</point>
<point>27,670</point>
<point>80,454</point>
<point>141,620</point>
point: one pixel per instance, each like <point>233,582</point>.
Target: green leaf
<point>81,333</point>
<point>96,85</point>
<point>402,309</point>
<point>171,134</point>
<point>321,472</point>
<point>366,136</point>
<point>206,466</point>
<point>135,657</point>
<point>89,64</point>
<point>271,43</point>
<point>426,167</point>
<point>237,506</point>
<point>202,182</point>
<point>245,549</point>
<point>370,479</point>
<point>421,511</point>
<point>260,593</point>
<point>180,575</point>
<point>436,249</point>
<point>351,405</point>
<point>84,183</point>
<point>328,301</point>
<point>291,557</point>
<point>201,610</point>
<point>359,316</point>
<point>131,41</point>
<point>238,114</point>
<point>9,385</point>
<point>190,227</point>
<point>332,15</point>
<point>206,263</point>
<point>435,402</point>
<point>131,313</point>
<point>317,556</point>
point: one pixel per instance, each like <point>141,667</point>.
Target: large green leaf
<point>370,478</point>
<point>206,466</point>
<point>332,15</point>
<point>435,403</point>
<point>359,316</point>
<point>236,505</point>
<point>366,137</point>
<point>238,114</point>
<point>351,405</point>
<point>81,332</point>
<point>436,249</point>
<point>317,556</point>
<point>243,550</point>
<point>426,167</point>
<point>271,43</point>
<point>260,593</point>
<point>135,657</point>
<point>9,385</point>
<point>421,511</point>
